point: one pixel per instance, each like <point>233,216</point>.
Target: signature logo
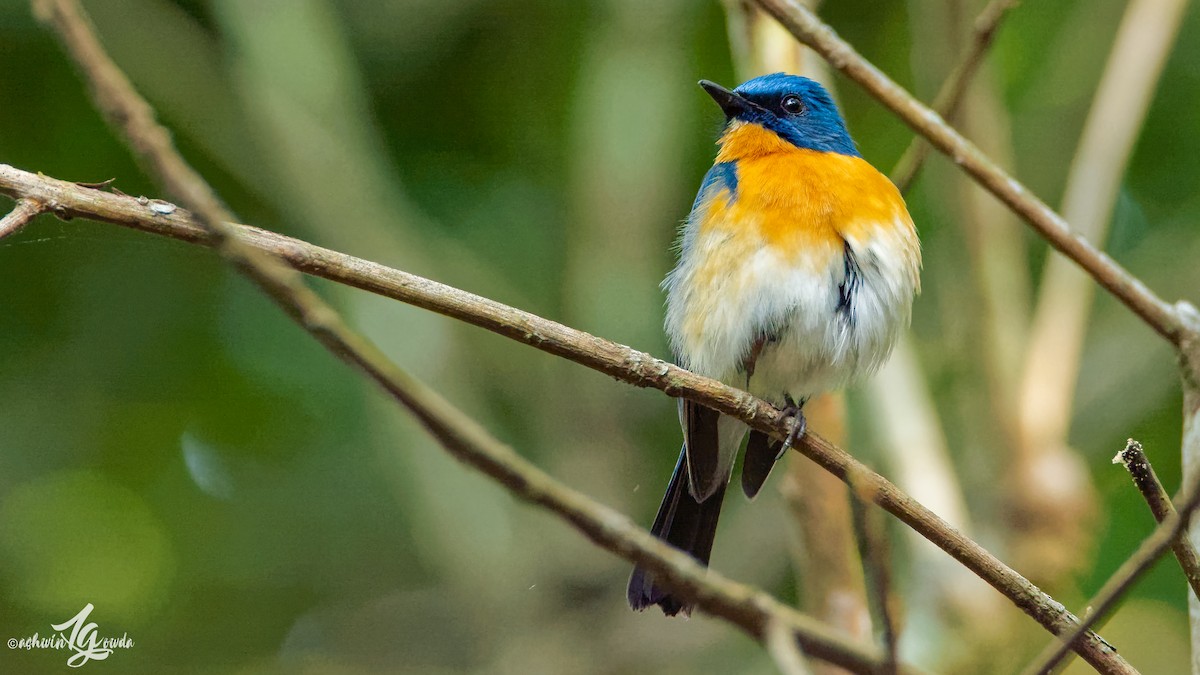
<point>83,638</point>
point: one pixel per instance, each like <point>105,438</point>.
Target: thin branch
<point>1130,290</point>
<point>24,211</point>
<point>749,609</point>
<point>1135,461</point>
<point>621,362</point>
<point>1126,575</point>
<point>950,97</point>
<point>873,550</point>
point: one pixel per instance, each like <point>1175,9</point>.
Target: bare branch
<point>130,115</point>
<point>1134,459</point>
<point>1127,288</point>
<point>621,362</point>
<point>25,211</point>
<point>950,97</point>
<point>1126,575</point>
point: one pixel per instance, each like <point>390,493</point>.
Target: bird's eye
<point>792,104</point>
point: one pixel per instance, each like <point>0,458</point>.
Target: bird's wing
<point>710,440</point>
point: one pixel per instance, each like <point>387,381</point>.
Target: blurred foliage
<point>174,451</point>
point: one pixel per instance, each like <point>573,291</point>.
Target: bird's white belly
<point>721,300</point>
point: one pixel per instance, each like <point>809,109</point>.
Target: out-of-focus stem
<point>760,45</point>
<point>905,414</point>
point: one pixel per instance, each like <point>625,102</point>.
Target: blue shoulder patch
<point>722,175</point>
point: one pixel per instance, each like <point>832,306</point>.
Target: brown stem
<point>1135,461</point>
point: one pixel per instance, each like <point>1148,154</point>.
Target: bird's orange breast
<point>796,199</point>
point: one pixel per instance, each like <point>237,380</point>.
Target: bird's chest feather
<point>796,280</point>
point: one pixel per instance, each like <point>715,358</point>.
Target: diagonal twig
<point>621,362</point>
<point>1153,546</point>
<point>1135,461</point>
<point>953,92</point>
<point>1130,290</point>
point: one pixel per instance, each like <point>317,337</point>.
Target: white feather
<point>725,294</point>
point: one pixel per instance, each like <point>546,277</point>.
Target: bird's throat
<point>746,140</point>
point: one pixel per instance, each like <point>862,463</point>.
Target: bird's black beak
<point>731,102</point>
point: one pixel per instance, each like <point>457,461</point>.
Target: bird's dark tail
<point>685,524</point>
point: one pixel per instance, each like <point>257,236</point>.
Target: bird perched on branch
<point>797,271</point>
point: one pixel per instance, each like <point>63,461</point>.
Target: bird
<point>797,270</point>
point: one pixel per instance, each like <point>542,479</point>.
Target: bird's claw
<point>799,424</point>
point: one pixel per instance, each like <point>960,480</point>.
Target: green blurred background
<point>175,451</point>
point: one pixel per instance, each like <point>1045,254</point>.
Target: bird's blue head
<point>796,108</point>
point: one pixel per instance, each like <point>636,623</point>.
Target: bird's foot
<point>799,423</point>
